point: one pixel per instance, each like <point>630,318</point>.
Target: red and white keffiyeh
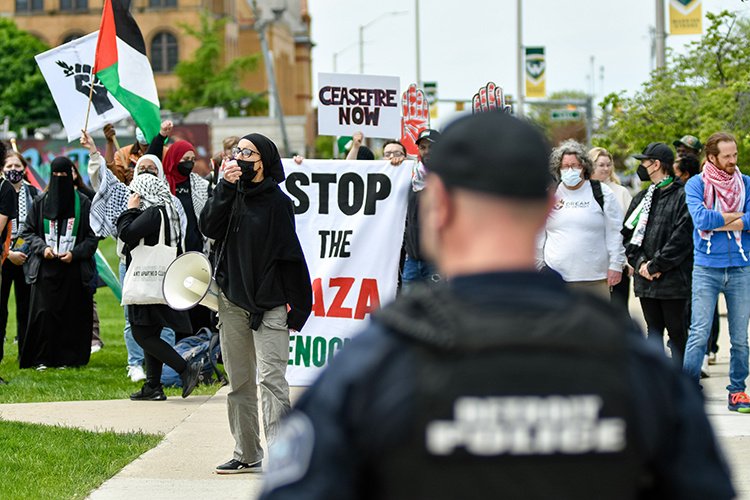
<point>723,192</point>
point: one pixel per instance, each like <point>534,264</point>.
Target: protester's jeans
<point>416,271</point>
<point>244,351</point>
<point>708,282</point>
<point>135,351</point>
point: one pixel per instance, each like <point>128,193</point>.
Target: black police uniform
<point>500,385</point>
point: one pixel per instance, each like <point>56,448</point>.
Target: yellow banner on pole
<point>536,74</point>
<point>685,17</point>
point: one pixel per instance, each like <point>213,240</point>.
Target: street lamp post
<point>362,40</point>
<point>520,58</point>
<point>337,53</point>
<point>260,27</point>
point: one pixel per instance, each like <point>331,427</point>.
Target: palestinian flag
<point>122,66</point>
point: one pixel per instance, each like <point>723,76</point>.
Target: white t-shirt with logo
<point>581,241</point>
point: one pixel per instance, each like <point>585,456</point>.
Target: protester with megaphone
<point>151,217</point>
<point>253,223</point>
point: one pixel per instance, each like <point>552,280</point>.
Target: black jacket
<point>411,232</point>
<point>350,431</point>
<point>262,264</point>
<point>667,244</point>
<point>132,226</point>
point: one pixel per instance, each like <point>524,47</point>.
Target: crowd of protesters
<point>680,241</point>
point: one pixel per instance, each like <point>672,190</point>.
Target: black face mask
<point>185,167</point>
<point>248,173</point>
<point>642,173</point>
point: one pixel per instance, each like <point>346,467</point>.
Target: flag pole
<point>91,96</point>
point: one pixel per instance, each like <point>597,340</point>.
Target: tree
<point>24,95</point>
<point>558,131</point>
<point>205,81</point>
<point>703,91</point>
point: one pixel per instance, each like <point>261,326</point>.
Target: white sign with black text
<point>359,103</point>
<point>350,218</point>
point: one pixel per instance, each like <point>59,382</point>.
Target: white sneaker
<point>136,373</point>
<point>704,367</point>
<point>96,348</point>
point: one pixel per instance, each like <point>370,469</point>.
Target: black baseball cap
<point>657,151</point>
<point>428,134</point>
<point>494,153</point>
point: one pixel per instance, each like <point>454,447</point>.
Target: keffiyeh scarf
<point>155,193</point>
<point>726,193</point>
<point>638,220</point>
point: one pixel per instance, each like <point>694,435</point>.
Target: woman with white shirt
<point>604,171</point>
<point>582,239</point>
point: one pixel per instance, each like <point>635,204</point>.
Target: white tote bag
<point>143,281</point>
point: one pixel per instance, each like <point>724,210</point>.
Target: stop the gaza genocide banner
<point>359,103</point>
<point>350,219</point>
<point>685,17</point>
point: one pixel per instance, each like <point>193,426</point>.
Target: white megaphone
<point>188,282</point>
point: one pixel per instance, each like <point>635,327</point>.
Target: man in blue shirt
<point>720,207</point>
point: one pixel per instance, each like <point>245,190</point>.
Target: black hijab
<point>269,155</point>
<point>59,202</point>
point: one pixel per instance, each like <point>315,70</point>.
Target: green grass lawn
<point>53,462</point>
<point>105,377</point>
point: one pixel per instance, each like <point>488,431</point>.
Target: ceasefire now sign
<point>359,103</point>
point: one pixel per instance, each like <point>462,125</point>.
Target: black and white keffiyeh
<point>155,193</point>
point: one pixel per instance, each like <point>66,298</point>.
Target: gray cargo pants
<point>244,350</point>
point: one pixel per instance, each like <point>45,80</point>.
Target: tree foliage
<point>704,90</point>
<point>24,95</point>
<point>206,81</point>
<point>558,131</point>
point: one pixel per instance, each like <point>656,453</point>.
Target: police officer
<point>499,382</point>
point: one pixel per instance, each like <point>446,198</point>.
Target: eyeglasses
<point>245,153</point>
<point>393,154</point>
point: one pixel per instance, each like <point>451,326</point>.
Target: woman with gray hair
<point>582,240</point>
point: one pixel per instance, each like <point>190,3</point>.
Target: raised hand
<point>415,117</point>
<point>87,142</point>
<point>166,128</point>
<point>489,98</point>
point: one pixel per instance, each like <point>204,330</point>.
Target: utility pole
<point>361,50</point>
<point>260,27</point>
<point>416,35</point>
<point>520,58</point>
<point>661,36</point>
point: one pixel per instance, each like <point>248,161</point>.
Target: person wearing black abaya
<point>60,269</point>
<point>261,268</point>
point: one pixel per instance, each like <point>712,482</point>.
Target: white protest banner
<point>364,103</point>
<point>350,218</point>
<point>67,70</point>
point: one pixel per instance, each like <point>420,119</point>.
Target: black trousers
<point>156,353</point>
<point>670,314</point>
<point>13,275</point>
<point>621,292</point>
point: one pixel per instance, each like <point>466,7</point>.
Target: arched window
<point>70,37</point>
<point>163,52</point>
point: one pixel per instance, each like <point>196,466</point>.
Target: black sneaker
<point>237,467</point>
<point>190,377</point>
<point>148,393</point>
